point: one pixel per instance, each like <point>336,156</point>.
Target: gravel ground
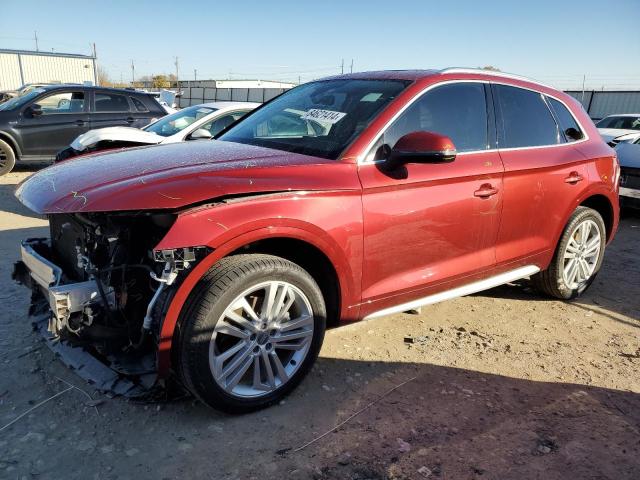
<point>502,384</point>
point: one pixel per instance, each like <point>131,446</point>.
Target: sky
<point>557,42</point>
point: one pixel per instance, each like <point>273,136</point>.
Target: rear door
<point>111,109</point>
<point>65,115</point>
<point>430,226</point>
<point>544,171</point>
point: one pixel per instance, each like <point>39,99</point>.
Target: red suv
<point>351,197</point>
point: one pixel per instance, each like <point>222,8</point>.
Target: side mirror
<point>422,147</point>
<point>201,134</point>
<point>34,110</point>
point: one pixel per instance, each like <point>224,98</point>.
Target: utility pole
<point>584,79</point>
<point>35,36</point>
<point>342,67</point>
<point>133,74</point>
<point>195,74</point>
<point>351,71</point>
<point>177,81</point>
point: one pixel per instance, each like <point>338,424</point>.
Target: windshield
<point>320,118</point>
<point>623,123</point>
<point>17,102</point>
<point>174,123</point>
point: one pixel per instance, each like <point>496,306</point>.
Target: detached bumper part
<point>64,299</point>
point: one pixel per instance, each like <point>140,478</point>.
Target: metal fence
<point>599,104</point>
<point>195,93</point>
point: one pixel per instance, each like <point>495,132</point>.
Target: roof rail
<point>494,73</point>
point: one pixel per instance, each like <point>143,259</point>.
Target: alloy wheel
<point>261,339</point>
<point>581,253</point>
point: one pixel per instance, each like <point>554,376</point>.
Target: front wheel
<point>578,256</point>
<point>250,332</point>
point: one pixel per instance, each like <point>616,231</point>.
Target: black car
<point>35,126</point>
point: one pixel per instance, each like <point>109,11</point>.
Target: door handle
<point>485,191</point>
<point>80,123</point>
<point>573,178</point>
<point>130,120</point>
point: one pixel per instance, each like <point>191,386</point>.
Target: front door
<point>431,227</point>
<point>62,116</point>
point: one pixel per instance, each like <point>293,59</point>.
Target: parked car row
<point>192,123</point>
<point>221,263</point>
<point>37,125</point>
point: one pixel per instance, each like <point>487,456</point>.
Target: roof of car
<point>224,105</point>
<point>61,86</point>
<point>414,75</point>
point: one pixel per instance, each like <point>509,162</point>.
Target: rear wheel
<point>7,158</point>
<point>251,330</point>
<point>578,256</point>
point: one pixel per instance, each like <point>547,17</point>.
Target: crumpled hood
<point>171,176</point>
<point>609,134</point>
<point>126,134</point>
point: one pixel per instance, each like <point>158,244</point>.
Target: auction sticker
<point>325,116</point>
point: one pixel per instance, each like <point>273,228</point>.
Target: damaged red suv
<point>220,263</point>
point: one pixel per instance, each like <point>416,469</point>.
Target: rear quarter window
<point>566,120</point>
<point>524,120</point>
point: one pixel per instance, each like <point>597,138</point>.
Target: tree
<point>103,77</point>
<point>490,68</point>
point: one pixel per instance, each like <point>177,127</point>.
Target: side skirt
<point>487,283</point>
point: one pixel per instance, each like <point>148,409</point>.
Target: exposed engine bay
<point>103,286</point>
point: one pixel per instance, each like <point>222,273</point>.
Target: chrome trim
<point>361,158</point>
<point>474,287</point>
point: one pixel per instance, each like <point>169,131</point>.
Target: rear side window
<point>458,111</point>
<point>140,107</point>
<point>568,124</point>
<point>525,119</point>
<point>109,102</point>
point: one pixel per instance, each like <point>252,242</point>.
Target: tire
<point>554,281</point>
<point>7,158</point>
<point>216,322</point>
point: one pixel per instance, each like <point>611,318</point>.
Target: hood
<point>176,175</point>
<point>124,134</point>
<point>628,154</point>
<point>609,134</point>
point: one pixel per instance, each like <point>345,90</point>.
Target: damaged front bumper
<point>126,374</point>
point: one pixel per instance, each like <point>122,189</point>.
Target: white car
<point>191,123</point>
<point>613,126</point>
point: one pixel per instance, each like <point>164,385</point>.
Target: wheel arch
<point>319,259</point>
<point>601,204</point>
<point>12,143</point>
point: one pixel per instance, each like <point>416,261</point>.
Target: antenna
<point>133,74</point>
<point>35,37</point>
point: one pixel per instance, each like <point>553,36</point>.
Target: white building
<point>19,67</point>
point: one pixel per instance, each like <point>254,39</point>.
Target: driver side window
<point>457,110</point>
<point>64,102</point>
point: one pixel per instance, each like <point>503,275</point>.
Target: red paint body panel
<point>428,227</point>
<point>171,176</point>
<point>390,238</point>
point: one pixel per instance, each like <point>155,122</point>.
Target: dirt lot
<point>503,384</point>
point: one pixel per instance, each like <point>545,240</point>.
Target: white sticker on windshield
<point>324,116</point>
